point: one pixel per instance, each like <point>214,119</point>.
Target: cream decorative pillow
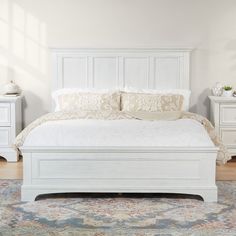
<point>185,92</point>
<point>89,101</point>
<point>134,102</point>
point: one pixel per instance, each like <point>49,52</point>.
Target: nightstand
<point>223,117</point>
<point>10,126</point>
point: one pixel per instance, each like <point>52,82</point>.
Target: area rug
<point>105,215</point>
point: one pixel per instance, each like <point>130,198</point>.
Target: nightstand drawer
<point>227,114</point>
<point>228,136</point>
<point>5,135</point>
<point>5,114</point>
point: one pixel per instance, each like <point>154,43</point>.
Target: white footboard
<point>119,169</point>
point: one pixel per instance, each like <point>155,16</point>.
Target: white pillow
<point>67,91</point>
<point>185,92</point>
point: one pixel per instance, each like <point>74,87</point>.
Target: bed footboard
<point>119,169</point>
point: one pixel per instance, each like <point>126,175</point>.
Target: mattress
<point>124,133</point>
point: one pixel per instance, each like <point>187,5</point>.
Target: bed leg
<point>209,195</point>
<point>28,195</point>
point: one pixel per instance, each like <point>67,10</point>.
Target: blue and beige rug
<point>102,215</point>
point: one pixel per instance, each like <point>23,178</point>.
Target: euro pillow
<point>185,92</point>
<point>74,100</point>
<point>136,102</point>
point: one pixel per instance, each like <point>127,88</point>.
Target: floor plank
<point>13,170</point>
<point>227,171</point>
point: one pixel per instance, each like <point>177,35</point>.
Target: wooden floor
<point>227,171</point>
<point>14,170</point>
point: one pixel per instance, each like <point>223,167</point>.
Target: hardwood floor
<point>14,170</point>
<point>227,171</point>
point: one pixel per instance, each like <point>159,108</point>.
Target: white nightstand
<point>10,126</point>
<point>223,117</point>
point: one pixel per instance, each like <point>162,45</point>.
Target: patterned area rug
<point>121,215</point>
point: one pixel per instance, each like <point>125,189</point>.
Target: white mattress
<point>88,132</point>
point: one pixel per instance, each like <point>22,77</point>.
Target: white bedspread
<point>124,132</point>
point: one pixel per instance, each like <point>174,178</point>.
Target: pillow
<point>86,100</point>
<point>133,102</point>
<point>185,92</point>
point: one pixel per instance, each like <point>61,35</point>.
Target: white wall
<point>29,27</point>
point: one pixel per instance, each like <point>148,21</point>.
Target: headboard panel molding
<point>117,68</point>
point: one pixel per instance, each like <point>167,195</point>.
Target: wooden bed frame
<point>120,169</point>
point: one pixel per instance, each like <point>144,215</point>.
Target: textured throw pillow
<point>133,102</point>
<point>89,101</point>
<point>185,92</point>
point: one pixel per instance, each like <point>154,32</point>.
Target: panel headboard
<point>117,68</point>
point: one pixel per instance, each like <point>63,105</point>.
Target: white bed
<point>152,156</point>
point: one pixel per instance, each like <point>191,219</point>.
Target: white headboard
<point>117,68</point>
